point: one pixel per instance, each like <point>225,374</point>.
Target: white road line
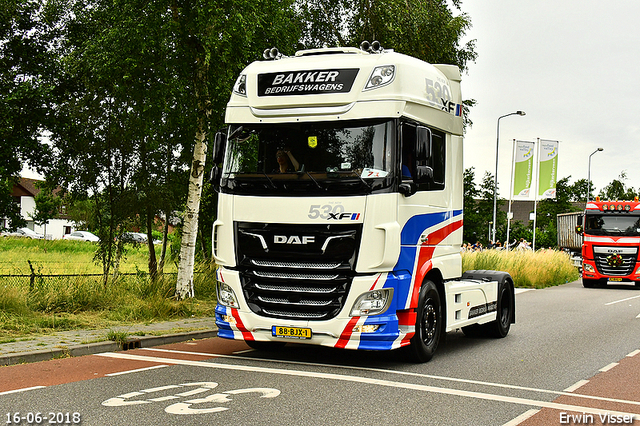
<point>522,417</point>
<point>522,290</point>
<point>406,373</point>
<point>576,385</point>
<point>22,390</point>
<point>608,367</point>
<point>370,381</point>
<point>621,300</point>
<point>136,370</point>
<point>634,353</point>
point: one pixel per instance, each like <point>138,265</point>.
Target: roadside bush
<point>543,268</point>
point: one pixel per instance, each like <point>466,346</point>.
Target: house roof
<point>25,187</point>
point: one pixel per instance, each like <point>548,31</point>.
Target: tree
<point>428,30</point>
<point>27,29</point>
<point>618,190</point>
<point>208,32</point>
<point>48,205</point>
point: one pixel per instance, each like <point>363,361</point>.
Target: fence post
<point>32,279</point>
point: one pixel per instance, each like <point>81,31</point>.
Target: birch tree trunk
<point>184,284</point>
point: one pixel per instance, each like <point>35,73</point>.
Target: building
<point>24,193</point>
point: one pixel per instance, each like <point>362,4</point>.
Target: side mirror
<point>424,171</point>
<point>423,144</point>
<point>579,229</point>
<point>407,189</point>
<point>219,143</point>
<point>424,174</point>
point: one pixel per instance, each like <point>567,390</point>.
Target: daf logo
<point>293,239</point>
<point>613,251</point>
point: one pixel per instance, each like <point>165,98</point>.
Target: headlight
<point>372,302</point>
<point>226,296</point>
<point>587,267</point>
<point>240,88</point>
<point>381,76</point>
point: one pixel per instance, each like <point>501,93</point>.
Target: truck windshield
<point>355,157</point>
<point>618,225</point>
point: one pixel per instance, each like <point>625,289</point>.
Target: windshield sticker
<point>312,82</point>
<point>373,173</point>
<point>312,141</point>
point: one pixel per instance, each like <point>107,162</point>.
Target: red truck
<point>611,238</point>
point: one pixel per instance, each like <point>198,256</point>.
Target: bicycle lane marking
<point>378,382</point>
<point>567,392</point>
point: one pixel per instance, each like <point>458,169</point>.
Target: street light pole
<point>495,177</point>
<point>589,173</point>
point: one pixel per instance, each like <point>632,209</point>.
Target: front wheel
<point>265,346</point>
<point>587,283</point>
<point>429,323</point>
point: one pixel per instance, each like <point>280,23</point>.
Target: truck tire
<point>505,309</point>
<point>587,283</point>
<point>265,346</point>
<point>429,323</point>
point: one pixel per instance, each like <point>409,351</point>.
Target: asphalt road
<point>553,356</point>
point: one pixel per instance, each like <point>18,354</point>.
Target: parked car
<point>82,236</point>
<point>23,232</point>
<point>137,238</point>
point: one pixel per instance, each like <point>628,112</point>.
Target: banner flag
<point>522,169</point>
<point>547,169</point>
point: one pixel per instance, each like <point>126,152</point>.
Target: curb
<point>100,347</point>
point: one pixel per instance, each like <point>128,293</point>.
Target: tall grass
<point>539,269</point>
<point>50,304</point>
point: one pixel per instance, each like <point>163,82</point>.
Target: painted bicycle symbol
<point>188,390</point>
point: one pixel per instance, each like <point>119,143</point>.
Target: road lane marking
<point>621,300</point>
<point>576,385</point>
<point>521,290</point>
<point>136,370</point>
<point>370,381</point>
<point>407,373</point>
<point>608,367</point>
<point>522,417</point>
<point>634,353</point>
<point>22,390</point>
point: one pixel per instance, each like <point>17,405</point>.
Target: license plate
<point>615,279</point>
<point>291,332</point>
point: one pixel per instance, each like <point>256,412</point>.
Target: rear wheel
<point>428,327</point>
<point>500,327</point>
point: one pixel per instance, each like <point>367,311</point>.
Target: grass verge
<point>529,269</point>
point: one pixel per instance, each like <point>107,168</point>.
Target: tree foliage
<point>27,30</point>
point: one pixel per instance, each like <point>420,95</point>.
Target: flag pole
<point>535,199</point>
<point>510,214</point>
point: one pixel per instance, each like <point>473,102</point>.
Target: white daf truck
<point>340,206</point>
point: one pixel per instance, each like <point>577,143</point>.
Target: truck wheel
<point>428,328</point>
<point>587,283</point>
<point>265,346</point>
<point>500,327</point>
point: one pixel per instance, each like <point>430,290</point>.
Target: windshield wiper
<point>303,171</point>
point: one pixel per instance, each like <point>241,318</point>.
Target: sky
<point>573,66</point>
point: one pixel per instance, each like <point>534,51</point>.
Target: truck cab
<point>611,237</point>
<point>340,206</point>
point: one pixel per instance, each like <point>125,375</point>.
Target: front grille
<point>306,279</point>
<point>607,264</point>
